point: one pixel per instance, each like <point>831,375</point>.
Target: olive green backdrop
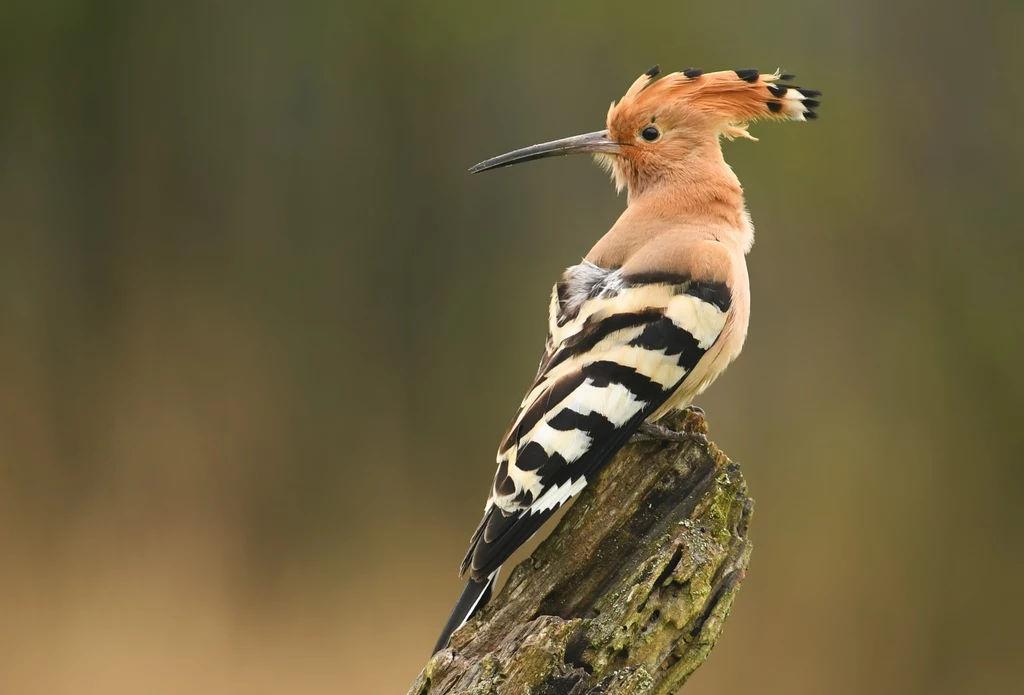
<point>260,332</point>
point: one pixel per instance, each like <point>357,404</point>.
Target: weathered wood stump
<point>628,594</point>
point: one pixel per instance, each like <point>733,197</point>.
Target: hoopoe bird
<point>653,314</point>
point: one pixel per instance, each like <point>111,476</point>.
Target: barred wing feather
<point>617,349</point>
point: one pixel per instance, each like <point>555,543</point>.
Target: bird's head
<point>661,128</point>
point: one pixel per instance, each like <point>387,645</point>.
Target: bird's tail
<point>474,597</point>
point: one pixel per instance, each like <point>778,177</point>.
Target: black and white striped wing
<point>618,348</point>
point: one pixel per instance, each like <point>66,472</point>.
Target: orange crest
<point>718,102</point>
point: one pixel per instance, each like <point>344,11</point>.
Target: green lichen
<point>628,595</point>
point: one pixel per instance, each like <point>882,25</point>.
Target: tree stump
<point>628,594</point>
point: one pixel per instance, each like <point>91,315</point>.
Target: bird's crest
<point>724,102</point>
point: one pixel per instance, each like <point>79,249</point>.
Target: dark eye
<point>650,133</point>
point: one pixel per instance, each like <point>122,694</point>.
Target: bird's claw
<point>650,432</point>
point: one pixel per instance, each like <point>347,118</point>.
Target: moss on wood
<point>628,594</point>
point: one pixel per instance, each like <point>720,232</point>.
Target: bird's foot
<point>696,410</point>
<point>651,432</point>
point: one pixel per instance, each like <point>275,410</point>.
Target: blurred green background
<point>260,332</point>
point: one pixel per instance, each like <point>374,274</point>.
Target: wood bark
<point>628,594</point>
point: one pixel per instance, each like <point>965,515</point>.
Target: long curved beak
<point>578,144</point>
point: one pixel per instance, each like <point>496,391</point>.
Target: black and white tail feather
<point>474,596</point>
<point>618,348</point>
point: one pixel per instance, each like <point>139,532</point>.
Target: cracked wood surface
<point>628,594</point>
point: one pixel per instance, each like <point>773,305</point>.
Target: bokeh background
<point>260,332</point>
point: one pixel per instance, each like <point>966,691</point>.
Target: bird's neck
<point>699,196</point>
<point>698,183</point>
<point>698,191</point>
